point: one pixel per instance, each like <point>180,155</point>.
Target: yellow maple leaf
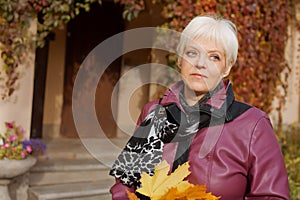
<point>158,185</point>
<point>162,186</point>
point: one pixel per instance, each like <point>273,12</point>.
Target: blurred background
<point>43,43</point>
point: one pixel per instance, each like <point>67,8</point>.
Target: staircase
<point>69,172</point>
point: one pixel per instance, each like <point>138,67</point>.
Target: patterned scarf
<point>164,124</point>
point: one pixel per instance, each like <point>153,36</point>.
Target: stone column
<point>291,109</point>
<point>18,107</point>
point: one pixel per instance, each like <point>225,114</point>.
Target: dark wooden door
<point>84,33</point>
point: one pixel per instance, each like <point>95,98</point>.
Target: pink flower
<point>10,124</point>
<point>28,149</point>
<point>21,129</point>
<point>6,145</point>
<point>13,138</point>
<point>23,154</point>
<point>14,149</point>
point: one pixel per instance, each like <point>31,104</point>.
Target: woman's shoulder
<point>252,113</point>
<point>254,120</point>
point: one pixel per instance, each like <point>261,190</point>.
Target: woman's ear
<point>227,70</point>
<point>179,60</point>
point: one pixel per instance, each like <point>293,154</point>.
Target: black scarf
<point>167,124</point>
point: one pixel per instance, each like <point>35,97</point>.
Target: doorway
<point>84,33</point>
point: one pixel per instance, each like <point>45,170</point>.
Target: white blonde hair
<point>212,28</point>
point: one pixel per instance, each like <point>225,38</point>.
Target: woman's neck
<point>191,97</point>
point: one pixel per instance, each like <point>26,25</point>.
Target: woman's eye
<point>214,57</point>
<point>191,53</point>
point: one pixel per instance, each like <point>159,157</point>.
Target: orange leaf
<point>199,192</point>
<point>193,192</point>
<point>131,196</point>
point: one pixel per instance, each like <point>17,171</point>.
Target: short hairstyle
<point>213,28</point>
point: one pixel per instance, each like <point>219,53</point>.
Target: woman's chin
<point>199,88</point>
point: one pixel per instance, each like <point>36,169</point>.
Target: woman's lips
<point>197,75</point>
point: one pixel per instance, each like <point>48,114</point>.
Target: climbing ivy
<point>262,25</point>
<point>263,33</point>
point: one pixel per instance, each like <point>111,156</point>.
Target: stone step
<point>70,172</point>
<point>84,191</point>
<point>96,197</point>
<point>47,178</point>
<point>64,148</point>
<point>57,171</point>
<point>68,165</point>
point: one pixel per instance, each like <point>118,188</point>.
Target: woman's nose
<point>201,62</point>
<point>200,66</point>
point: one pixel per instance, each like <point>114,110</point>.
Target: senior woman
<point>230,145</point>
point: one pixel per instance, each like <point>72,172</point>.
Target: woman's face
<point>203,66</point>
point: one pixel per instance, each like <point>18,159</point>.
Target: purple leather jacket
<point>244,161</point>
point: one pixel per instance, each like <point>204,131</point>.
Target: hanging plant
<point>16,16</point>
<point>132,8</point>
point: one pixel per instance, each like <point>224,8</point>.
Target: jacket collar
<point>215,101</point>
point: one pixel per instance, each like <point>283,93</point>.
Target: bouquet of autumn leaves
<point>162,186</point>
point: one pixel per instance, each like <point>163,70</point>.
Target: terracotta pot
<point>11,168</point>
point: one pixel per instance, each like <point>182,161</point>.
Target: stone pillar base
<point>4,193</point>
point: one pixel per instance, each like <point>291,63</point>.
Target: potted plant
<point>14,148</point>
<point>17,155</point>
